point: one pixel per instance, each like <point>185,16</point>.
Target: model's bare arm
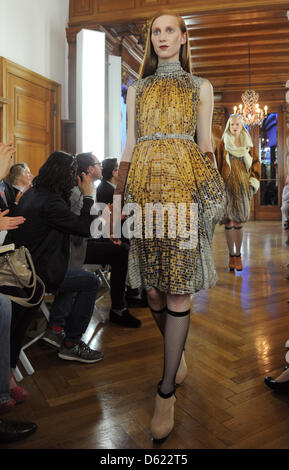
<point>204,117</point>
<point>131,133</point>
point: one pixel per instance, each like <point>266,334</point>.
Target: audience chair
<point>23,358</point>
<point>103,272</point>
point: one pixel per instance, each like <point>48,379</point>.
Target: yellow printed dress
<point>169,169</point>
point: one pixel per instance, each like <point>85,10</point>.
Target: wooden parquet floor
<point>237,335</point>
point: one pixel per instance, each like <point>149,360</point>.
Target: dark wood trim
<point>68,136</point>
<point>140,12</point>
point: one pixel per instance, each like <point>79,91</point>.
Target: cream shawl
<point>246,143</point>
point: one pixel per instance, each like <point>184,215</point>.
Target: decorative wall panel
<point>81,7</point>
<point>115,5</point>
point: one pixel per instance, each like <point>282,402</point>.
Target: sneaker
<point>7,406</point>
<point>53,338</point>
<point>80,352</point>
<point>125,319</point>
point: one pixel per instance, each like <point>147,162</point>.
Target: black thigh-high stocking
<point>160,318</point>
<point>176,331</point>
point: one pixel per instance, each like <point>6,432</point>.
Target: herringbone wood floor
<point>237,336</point>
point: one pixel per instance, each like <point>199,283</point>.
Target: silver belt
<point>162,136</point>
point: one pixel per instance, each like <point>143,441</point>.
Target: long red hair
<point>150,60</point>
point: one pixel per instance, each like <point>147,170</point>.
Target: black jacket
<point>46,232</point>
<point>104,192</point>
<point>10,196</point>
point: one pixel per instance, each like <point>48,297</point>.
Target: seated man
<point>46,231</point>
<point>102,251</point>
<point>104,193</point>
<point>105,189</point>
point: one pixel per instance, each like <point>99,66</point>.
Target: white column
<point>114,107</point>
<point>90,92</point>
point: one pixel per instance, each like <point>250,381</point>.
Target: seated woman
<point>20,177</point>
<point>46,233</point>
<point>10,393</point>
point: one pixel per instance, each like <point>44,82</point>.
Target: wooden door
<point>31,120</point>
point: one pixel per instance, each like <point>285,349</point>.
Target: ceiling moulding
<point>183,8</point>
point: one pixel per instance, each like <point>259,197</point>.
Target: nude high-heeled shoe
<point>182,371</point>
<point>232,262</point>
<point>239,265</point>
<point>163,419</point>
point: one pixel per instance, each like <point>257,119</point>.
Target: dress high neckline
<point>166,68</point>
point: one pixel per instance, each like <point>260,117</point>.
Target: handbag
<point>17,270</point>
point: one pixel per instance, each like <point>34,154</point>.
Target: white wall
<point>32,34</point>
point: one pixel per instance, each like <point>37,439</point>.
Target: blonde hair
<point>245,137</point>
<point>150,60</point>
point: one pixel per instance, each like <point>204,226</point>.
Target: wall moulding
<point>219,115</point>
<point>71,32</point>
<point>128,74</point>
<point>4,101</point>
<point>114,5</point>
<point>285,109</point>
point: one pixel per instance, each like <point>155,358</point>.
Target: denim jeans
<point>5,322</point>
<point>74,303</point>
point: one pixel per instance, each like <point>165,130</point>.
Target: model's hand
<point>6,152</point>
<point>10,223</point>
<point>85,184</point>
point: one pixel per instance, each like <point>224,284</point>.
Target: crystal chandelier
<point>250,111</point>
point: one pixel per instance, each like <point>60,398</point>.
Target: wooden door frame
<point>273,212</point>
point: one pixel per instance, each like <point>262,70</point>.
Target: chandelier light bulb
<point>250,111</point>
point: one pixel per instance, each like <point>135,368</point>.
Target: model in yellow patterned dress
<point>239,165</point>
<point>166,108</point>
<point>168,167</point>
